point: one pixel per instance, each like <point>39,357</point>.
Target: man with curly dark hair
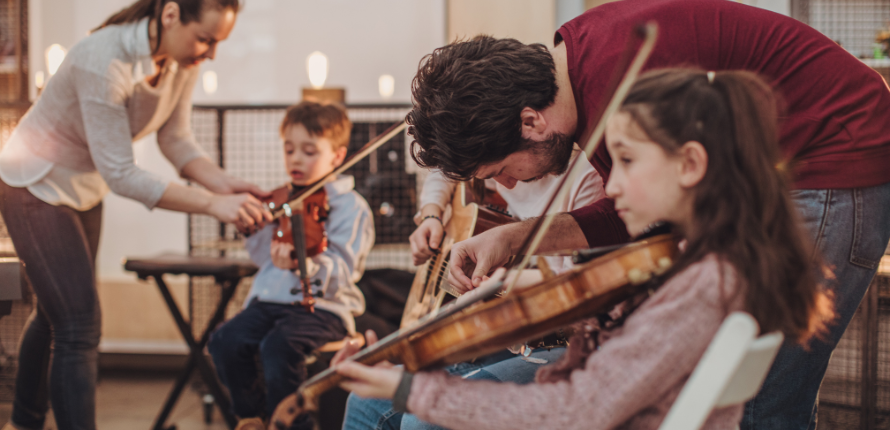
<point>497,108</point>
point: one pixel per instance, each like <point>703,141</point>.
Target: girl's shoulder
<point>711,280</point>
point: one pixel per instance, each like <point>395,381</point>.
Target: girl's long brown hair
<point>189,11</point>
<point>742,207</point>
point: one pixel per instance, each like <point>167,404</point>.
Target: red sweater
<point>836,131</point>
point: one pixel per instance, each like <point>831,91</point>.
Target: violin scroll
<point>315,210</point>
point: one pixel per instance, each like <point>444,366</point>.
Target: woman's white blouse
<point>76,142</point>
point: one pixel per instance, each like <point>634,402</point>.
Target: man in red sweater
<point>490,108</point>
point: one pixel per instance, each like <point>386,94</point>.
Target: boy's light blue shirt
<point>350,229</point>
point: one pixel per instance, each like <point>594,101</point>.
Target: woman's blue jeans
<point>365,414</point>
<point>58,246</point>
<point>850,228</point>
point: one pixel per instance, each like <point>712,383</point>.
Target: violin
<point>302,228</point>
<point>315,213</point>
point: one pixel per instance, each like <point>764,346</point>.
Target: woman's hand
<point>215,179</point>
<point>236,185</point>
<point>281,255</point>
<point>377,382</point>
<point>426,240</point>
<point>244,210</point>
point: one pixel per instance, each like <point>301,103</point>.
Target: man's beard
<point>554,153</point>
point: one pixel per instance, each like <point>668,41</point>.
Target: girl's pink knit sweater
<point>629,383</point>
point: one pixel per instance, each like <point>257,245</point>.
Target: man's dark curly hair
<point>467,99</point>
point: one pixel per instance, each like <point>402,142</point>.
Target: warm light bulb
<point>38,79</point>
<point>55,54</point>
<point>209,81</point>
<point>386,85</point>
<point>317,66</point>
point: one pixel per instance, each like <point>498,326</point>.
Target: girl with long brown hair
<point>131,77</point>
<point>698,150</point>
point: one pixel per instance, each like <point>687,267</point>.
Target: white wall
<point>529,21</point>
<point>263,61</point>
<point>778,6</point>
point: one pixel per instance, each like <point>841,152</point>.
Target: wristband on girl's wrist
<point>433,217</point>
<point>400,398</point>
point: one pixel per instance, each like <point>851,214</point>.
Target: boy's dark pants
<point>283,335</point>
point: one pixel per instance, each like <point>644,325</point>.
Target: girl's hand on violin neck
<point>472,260</point>
<point>243,209</point>
<point>377,382</point>
<point>281,255</point>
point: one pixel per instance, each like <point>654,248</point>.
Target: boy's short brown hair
<point>326,120</point>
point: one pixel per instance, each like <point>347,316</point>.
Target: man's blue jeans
<point>850,228</point>
<point>365,414</point>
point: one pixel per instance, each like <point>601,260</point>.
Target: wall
<point>529,21</point>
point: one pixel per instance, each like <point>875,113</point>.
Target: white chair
<point>730,372</point>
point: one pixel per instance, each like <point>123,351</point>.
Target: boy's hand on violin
<point>377,382</point>
<point>426,240</point>
<point>281,255</point>
<point>243,210</point>
<point>472,260</point>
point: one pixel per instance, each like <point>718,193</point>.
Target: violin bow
<point>369,147</point>
<point>649,34</point>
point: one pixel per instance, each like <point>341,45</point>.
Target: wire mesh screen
<point>13,50</point>
<point>246,142</point>
<point>856,390</point>
<point>882,352</point>
<point>840,397</point>
<point>854,24</point>
<point>11,327</point>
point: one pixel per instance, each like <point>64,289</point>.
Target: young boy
<point>273,323</point>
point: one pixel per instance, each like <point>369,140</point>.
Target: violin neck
<point>385,349</point>
<point>394,347</point>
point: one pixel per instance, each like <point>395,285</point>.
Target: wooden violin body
<point>315,212</point>
<point>468,219</point>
